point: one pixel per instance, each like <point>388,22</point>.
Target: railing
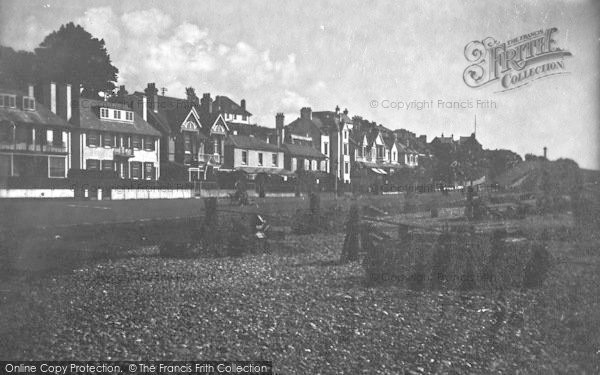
<point>60,148</point>
<point>123,152</point>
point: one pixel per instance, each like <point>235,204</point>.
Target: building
<point>253,156</point>
<point>112,137</point>
<point>34,140</point>
<point>231,111</point>
<point>328,132</point>
<point>193,134</point>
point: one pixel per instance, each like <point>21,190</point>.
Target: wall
<point>121,194</point>
<point>253,159</point>
<point>36,193</point>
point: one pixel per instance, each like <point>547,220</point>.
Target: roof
<point>89,119</point>
<point>304,126</point>
<point>302,150</point>
<point>41,115</point>
<point>170,114</point>
<point>225,104</point>
<point>251,143</point>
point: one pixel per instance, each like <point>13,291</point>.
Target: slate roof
<point>225,104</point>
<point>89,119</point>
<point>41,115</point>
<point>250,143</point>
<point>303,151</point>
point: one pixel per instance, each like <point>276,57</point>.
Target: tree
<point>17,68</point>
<point>72,54</point>
<point>190,93</point>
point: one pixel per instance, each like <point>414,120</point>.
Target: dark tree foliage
<point>190,94</point>
<point>17,68</point>
<point>72,54</point>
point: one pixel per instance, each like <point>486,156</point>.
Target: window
<point>136,169</point>
<point>136,142</point>
<point>92,139</point>
<point>235,117</point>
<point>345,135</point>
<point>57,138</point>
<point>244,118</point>
<point>103,112</point>
<point>274,160</point>
<point>107,140</point>
<point>393,155</point>
<point>108,165</point>
<point>346,167</point>
<point>244,157</point>
<point>57,167</point>
<point>117,114</point>
<point>313,165</point>
<point>129,116</point>
<point>149,171</point>
<point>149,144</point>
<point>260,158</point>
<point>187,141</point>
<point>412,159</point>
<point>345,149</point>
<point>326,148</point>
<point>28,103</point>
<point>9,101</point>
<point>92,165</point>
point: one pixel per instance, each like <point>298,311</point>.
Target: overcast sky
<point>282,55</point>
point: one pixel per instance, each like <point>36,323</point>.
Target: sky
<point>360,55</point>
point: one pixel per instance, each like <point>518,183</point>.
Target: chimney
<point>53,97</point>
<point>243,104</point>
<point>152,92</point>
<point>206,103</point>
<point>545,152</point>
<point>306,113</point>
<point>279,121</point>
<point>145,108</point>
<point>63,101</point>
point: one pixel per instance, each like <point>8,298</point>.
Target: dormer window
<point>115,114</point>
<point>28,103</point>
<point>8,101</point>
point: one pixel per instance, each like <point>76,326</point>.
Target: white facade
<point>251,158</point>
<point>123,156</point>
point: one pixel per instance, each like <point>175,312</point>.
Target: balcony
<point>123,152</point>
<point>211,159</point>
<point>21,146</point>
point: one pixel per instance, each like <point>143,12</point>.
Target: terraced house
<point>34,139</point>
<point>193,133</point>
<point>112,137</point>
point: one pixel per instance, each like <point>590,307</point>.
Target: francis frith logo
<point>516,62</point>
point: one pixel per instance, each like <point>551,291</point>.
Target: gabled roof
<point>170,113</point>
<point>209,119</point>
<point>41,115</point>
<point>224,104</point>
<point>303,151</point>
<point>303,126</point>
<point>261,132</point>
<point>250,143</point>
<point>89,110</point>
